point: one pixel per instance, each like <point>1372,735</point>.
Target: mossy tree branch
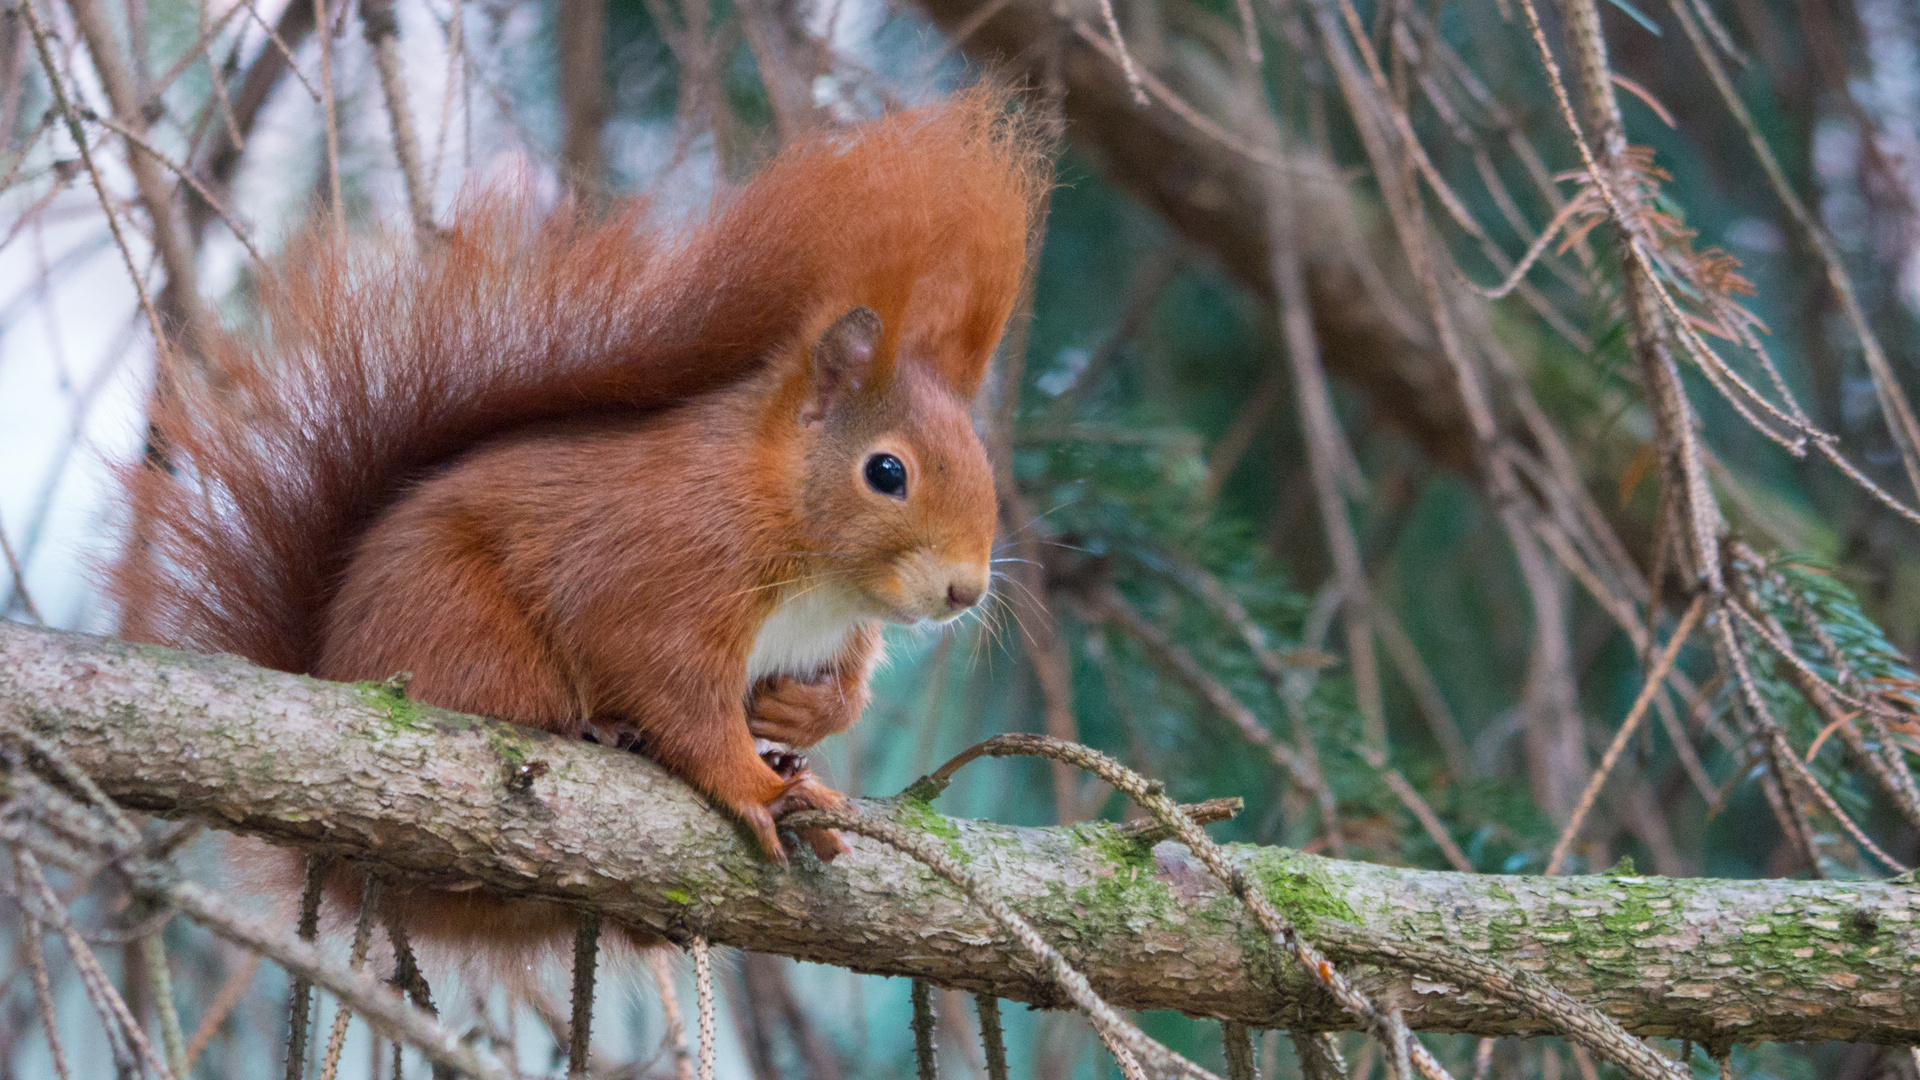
<point>363,774</point>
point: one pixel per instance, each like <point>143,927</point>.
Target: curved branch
<point>360,773</point>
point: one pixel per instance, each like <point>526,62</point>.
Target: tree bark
<point>365,774</point>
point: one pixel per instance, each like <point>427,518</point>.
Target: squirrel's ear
<point>842,360</point>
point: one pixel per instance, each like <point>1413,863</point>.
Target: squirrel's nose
<point>961,597</point>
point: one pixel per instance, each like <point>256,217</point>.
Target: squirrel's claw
<point>760,820</point>
<point>805,792</point>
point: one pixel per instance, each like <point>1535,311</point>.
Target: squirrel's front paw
<point>799,712</point>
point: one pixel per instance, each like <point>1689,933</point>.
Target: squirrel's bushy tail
<point>372,363</point>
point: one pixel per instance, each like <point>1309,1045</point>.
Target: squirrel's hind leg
<point>423,596</point>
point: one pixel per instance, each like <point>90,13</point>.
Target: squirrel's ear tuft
<point>842,360</point>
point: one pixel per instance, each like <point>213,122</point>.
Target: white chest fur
<point>804,633</point>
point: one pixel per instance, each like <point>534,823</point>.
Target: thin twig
<point>79,136</point>
<point>114,1014</point>
<point>186,176</point>
<point>1119,43</point>
<point>236,986</point>
<point>674,1037</point>
<point>216,77</point>
<point>1894,407</point>
<point>200,47</point>
<point>20,593</point>
<point>1648,688</point>
<point>383,1009</point>
<point>1150,796</point>
<point>1679,447</point>
<point>1781,753</point>
<point>151,949</point>
<point>1577,1021</point>
<point>286,52</point>
<point>180,299</point>
<point>1181,663</point>
<point>1422,812</point>
<point>381,27</point>
<point>323,27</point>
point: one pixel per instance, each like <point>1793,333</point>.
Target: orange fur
<point>607,479</point>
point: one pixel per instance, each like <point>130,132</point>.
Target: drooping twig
<point>384,1010</point>
<point>119,1020</point>
<point>924,1064</point>
<point>1151,796</point>
<point>586,950</point>
<point>1418,806</point>
<point>31,934</point>
<point>300,999</point>
<point>703,990</point>
<point>356,959</point>
<point>1239,1046</point>
<point>1577,1021</point>
<point>1781,754</point>
<point>991,1037</point>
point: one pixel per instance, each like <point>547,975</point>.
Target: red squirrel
<point>657,486</point>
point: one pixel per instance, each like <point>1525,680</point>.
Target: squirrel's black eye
<point>887,475</point>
